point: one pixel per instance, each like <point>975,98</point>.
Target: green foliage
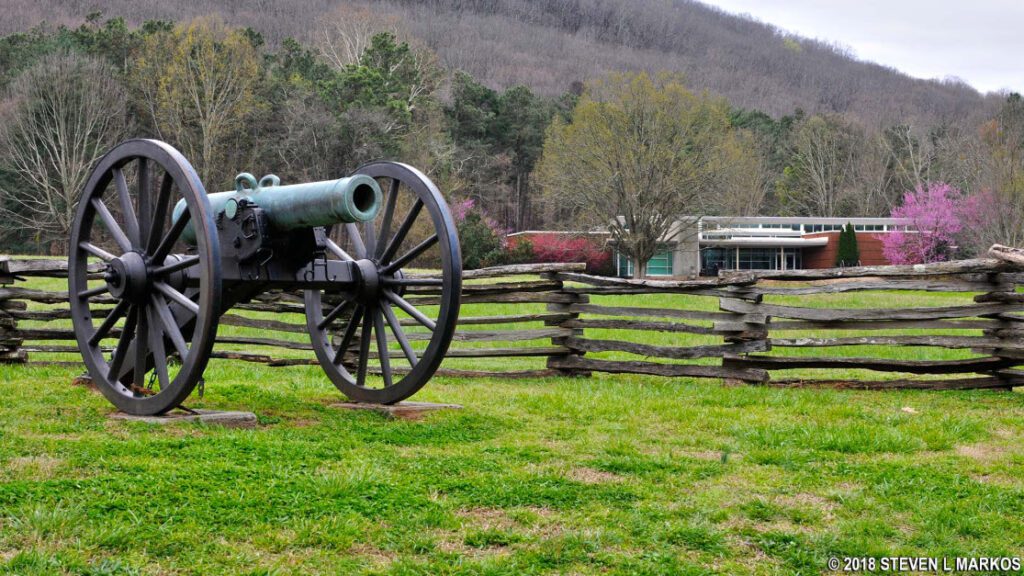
<point>473,110</point>
<point>385,78</point>
<point>20,51</point>
<point>848,253</point>
<point>503,133</point>
<point>481,246</point>
<point>297,66</point>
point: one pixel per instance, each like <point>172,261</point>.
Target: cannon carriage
<point>154,261</point>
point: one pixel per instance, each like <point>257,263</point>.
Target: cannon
<point>154,262</point>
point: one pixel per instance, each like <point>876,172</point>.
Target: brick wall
<point>825,256</point>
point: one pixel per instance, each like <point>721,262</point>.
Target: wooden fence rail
<point>731,327</point>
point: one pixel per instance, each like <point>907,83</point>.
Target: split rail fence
<point>554,320</point>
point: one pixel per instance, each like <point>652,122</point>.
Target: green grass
<point>609,474</point>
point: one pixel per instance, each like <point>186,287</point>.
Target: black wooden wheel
<point>165,296</point>
<point>399,296</point>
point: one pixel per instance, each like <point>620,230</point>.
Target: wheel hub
<point>127,277</point>
<point>369,281</point>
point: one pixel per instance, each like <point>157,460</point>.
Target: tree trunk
<point>639,267</point>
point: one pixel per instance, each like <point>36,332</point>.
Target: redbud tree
<point>938,218</point>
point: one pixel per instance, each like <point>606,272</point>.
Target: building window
<point>735,258</point>
<point>659,265</point>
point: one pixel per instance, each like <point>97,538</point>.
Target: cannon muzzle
<point>342,201</point>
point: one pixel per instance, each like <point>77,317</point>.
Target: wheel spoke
<point>337,251</point>
<point>86,294</point>
<point>160,213</point>
<point>396,242</point>
<point>389,213</point>
<point>171,237</point>
<point>111,224</point>
<point>127,334</point>
<point>371,238</point>
<point>396,329</point>
<point>125,200</point>
<point>350,332</point>
<point>364,347</point>
<point>96,251</point>
<point>145,203</point>
<point>141,350</point>
<point>382,346</point>
<point>357,240</point>
<point>410,255</point>
<point>177,297</point>
<point>170,326</point>
<point>156,343</point>
<point>409,309</point>
<point>186,262</point>
<point>337,311</point>
<point>113,316</point>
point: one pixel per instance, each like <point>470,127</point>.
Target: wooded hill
<point>412,81</point>
<point>549,45</point>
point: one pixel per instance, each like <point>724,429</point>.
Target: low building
<point>703,246</point>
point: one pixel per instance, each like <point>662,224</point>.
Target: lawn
<point>609,474</point>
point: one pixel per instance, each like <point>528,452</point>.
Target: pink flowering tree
<point>939,219</point>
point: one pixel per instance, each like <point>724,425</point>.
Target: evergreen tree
<point>848,254</point>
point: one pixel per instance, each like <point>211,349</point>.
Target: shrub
<point>848,253</point>
<point>559,248</point>
<point>483,241</point>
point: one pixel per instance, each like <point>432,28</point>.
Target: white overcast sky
<point>978,41</point>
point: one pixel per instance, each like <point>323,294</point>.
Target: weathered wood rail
<point>556,320</point>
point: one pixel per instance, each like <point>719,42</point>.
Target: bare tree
<point>822,167</point>
<point>348,31</point>
<point>197,83</point>
<point>744,177</point>
<point>58,118</point>
<point>1003,138</point>
<point>639,155</point>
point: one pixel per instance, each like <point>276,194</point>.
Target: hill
<point>548,45</point>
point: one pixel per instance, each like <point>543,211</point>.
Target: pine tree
<point>848,253</point>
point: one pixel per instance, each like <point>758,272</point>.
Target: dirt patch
<point>373,555</point>
<point>486,518</point>
<point>530,520</point>
<point>983,452</point>
<point>806,499</point>
<point>591,476</point>
<point>1001,480</point>
<point>751,555</point>
<point>455,543</point>
<point>475,519</point>
<point>39,467</point>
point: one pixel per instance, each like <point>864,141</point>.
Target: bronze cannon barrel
<point>325,203</point>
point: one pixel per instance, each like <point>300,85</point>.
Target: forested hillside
<point>473,92</point>
<point>547,45</point>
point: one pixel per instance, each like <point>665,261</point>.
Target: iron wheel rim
<point>146,238</point>
<point>399,177</point>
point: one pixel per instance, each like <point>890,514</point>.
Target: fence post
<point>9,342</point>
<point>565,308</point>
<point>1009,329</point>
<point>743,328</point>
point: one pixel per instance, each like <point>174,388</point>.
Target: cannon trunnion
<point>172,259</point>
